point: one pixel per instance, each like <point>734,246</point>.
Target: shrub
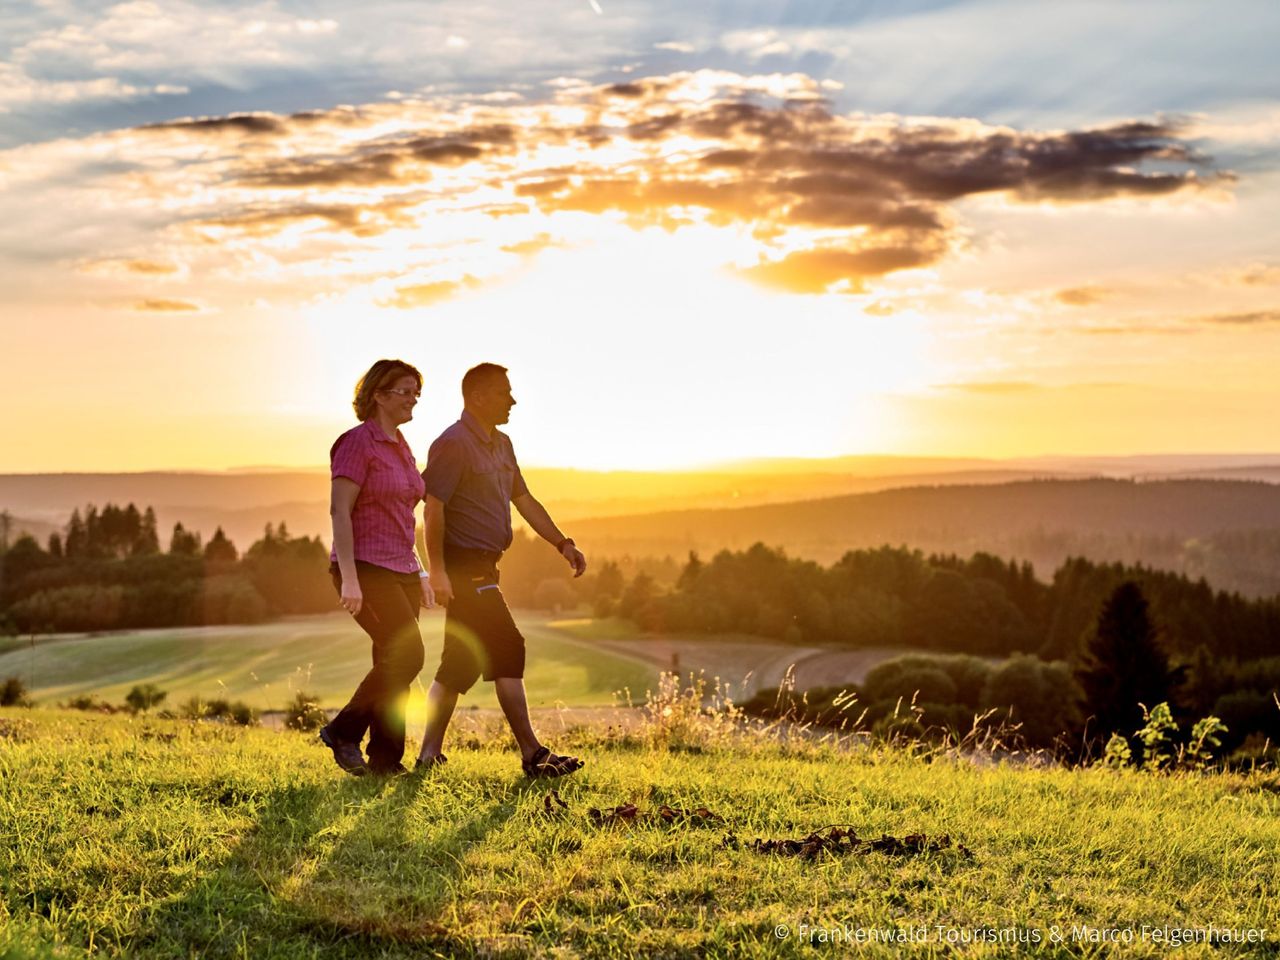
<point>1041,697</point>
<point>13,693</point>
<point>910,677</point>
<point>303,713</point>
<point>91,702</point>
<point>144,697</point>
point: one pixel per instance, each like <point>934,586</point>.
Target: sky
<point>693,232</point>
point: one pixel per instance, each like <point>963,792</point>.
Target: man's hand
<point>442,590</point>
<point>428,595</point>
<point>575,559</point>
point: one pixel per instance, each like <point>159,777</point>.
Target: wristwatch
<point>422,574</point>
<point>561,545</point>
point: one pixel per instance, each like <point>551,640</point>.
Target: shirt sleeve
<point>349,457</point>
<point>518,487</point>
<point>446,461</point>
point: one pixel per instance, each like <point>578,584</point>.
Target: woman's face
<point>398,400</point>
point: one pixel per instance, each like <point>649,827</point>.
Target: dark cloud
<point>242,123</point>
<point>385,161</point>
<point>380,168</point>
<point>887,186</point>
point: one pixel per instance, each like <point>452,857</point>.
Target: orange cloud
<point>1081,296</point>
<point>428,294</point>
<point>165,306</point>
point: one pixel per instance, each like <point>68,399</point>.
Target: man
<point>471,480</point>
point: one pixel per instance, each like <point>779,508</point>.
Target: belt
<point>455,555</point>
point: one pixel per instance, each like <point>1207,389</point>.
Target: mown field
<point>130,836</point>
<point>265,664</point>
<point>571,662</point>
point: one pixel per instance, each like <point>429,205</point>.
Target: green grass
<point>140,837</point>
<point>265,664</point>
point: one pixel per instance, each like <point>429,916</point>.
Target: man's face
<point>493,400</point>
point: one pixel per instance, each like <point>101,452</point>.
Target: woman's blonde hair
<point>380,377</point>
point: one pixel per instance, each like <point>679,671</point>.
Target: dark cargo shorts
<point>480,636</point>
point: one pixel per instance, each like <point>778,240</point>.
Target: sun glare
<point>661,357</point>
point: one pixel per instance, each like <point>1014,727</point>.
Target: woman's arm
<point>342,498</point>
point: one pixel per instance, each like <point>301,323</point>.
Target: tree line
<point>107,571</point>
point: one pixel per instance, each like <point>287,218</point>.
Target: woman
<point>377,574</point>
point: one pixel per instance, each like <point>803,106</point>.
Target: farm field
<point>133,836</point>
<point>572,663</point>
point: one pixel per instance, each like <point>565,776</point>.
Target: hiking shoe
<point>395,770</point>
<point>346,755</point>
<point>427,764</point>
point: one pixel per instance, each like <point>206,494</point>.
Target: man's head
<point>486,393</point>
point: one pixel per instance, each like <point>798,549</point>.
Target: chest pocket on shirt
<point>495,473</point>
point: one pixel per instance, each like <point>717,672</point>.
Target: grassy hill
<point>147,838</point>
<point>265,664</point>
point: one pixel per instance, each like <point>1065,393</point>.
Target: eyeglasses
<point>403,392</point>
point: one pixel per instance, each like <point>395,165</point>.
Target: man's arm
<point>433,530</point>
<point>535,514</point>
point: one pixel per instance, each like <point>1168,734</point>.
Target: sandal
<point>544,763</point>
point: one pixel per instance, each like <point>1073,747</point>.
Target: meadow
<point>140,837</point>
<point>265,664</point>
<point>575,663</point>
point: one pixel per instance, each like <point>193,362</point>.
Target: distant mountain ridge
<point>1160,523</point>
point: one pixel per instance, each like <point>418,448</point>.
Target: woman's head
<point>392,385</point>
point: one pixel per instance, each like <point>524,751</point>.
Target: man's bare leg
<point>511,696</point>
<point>440,703</point>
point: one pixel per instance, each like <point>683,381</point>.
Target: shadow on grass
<point>328,869</point>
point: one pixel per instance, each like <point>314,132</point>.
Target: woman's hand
<point>352,598</point>
<point>428,595</point>
<point>441,588</point>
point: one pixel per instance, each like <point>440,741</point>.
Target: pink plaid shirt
<point>390,486</point>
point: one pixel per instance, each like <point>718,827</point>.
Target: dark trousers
<point>389,614</point>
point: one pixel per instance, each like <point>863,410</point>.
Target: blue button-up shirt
<point>476,476</point>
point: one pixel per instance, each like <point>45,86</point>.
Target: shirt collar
<point>473,424</point>
<point>376,432</point>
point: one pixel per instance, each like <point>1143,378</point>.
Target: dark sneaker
<point>427,764</point>
<point>346,755</point>
<point>396,770</point>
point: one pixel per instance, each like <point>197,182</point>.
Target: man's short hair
<point>479,375</point>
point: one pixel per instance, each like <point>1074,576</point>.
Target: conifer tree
<point>1124,668</point>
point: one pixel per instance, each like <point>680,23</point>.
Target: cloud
<point>165,306</point>
<point>991,387</point>
<point>1258,275</point>
<point>19,89</point>
<point>236,123</point>
<point>413,296</point>
<point>1081,296</point>
<point>126,267</point>
<point>826,203</point>
<point>1255,318</point>
<point>675,46</point>
<point>1198,323</point>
